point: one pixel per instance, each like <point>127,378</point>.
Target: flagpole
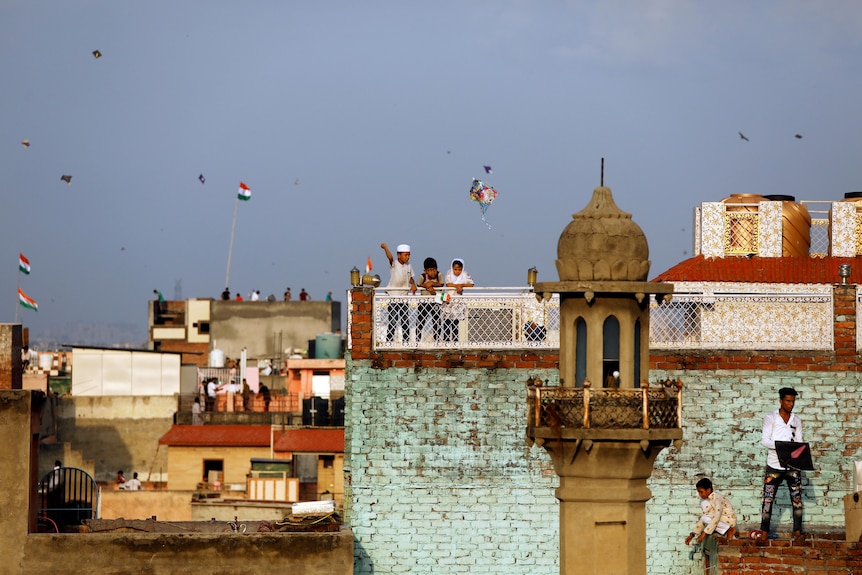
<point>18,297</point>
<point>230,249</point>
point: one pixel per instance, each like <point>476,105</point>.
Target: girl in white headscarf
<point>457,277</point>
<point>453,312</point>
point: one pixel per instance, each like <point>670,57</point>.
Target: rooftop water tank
<point>795,228</point>
<point>327,346</point>
<point>216,358</point>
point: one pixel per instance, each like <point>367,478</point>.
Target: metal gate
<point>66,497</point>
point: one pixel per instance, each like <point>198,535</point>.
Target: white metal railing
<point>480,318</point>
<point>759,320</point>
<point>729,316</point>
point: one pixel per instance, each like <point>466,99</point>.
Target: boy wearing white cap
<point>400,280</point>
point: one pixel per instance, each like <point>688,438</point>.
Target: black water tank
<point>315,411</point>
<point>338,412</point>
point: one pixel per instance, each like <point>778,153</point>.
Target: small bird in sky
<point>66,178</point>
<point>97,54</point>
<point>798,136</point>
<point>202,179</point>
<point>488,169</point>
<point>741,135</point>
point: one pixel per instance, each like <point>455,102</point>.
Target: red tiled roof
<point>311,441</point>
<point>785,270</point>
<point>217,436</point>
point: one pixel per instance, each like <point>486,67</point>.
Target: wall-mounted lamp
<point>354,277</point>
<point>369,282</point>
<point>844,272</point>
<point>532,275</point>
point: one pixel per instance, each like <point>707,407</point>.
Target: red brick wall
<point>193,353</point>
<point>821,556</point>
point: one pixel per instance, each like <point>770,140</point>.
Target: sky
<point>358,123</point>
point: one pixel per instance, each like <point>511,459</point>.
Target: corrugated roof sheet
<point>217,435</point>
<point>311,441</point>
<point>785,270</point>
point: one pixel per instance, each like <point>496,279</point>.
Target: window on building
<point>327,460</point>
<point>213,469</point>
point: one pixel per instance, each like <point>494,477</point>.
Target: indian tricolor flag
<point>368,266</point>
<point>23,264</point>
<point>244,192</point>
<point>26,301</point>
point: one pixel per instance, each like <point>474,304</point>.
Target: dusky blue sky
<point>356,123</point>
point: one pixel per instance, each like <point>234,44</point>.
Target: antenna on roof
<point>602,181</point>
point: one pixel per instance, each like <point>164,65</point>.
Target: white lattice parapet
<point>842,218</point>
<point>744,316</point>
<point>712,229</point>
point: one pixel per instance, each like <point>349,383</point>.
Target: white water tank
<point>216,358</point>
<point>45,361</point>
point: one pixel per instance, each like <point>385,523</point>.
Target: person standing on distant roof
<point>212,391</point>
<point>781,425</point>
<point>329,295</point>
<point>160,303</point>
<point>303,295</point>
<point>400,281</point>
<point>239,296</point>
<point>246,395</point>
<point>255,295</point>
<point>133,484</point>
<point>287,295</point>
<point>225,295</point>
<point>197,419</point>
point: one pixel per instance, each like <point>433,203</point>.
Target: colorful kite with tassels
<point>484,194</point>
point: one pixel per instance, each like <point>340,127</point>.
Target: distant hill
<point>118,335</point>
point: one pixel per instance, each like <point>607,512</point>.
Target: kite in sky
<point>97,54</point>
<point>202,179</point>
<point>487,169</point>
<point>66,178</point>
<point>798,136</point>
<point>25,143</point>
<point>483,194</point>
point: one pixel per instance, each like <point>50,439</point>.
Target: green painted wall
<point>722,420</point>
<point>439,478</point>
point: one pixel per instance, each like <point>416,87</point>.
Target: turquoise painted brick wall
<point>439,477</point>
<point>722,420</point>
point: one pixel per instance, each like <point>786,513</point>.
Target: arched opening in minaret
<point>637,354</point>
<point>611,352</point>
<point>580,352</point>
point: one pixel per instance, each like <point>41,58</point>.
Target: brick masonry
<point>822,556</point>
<point>440,479</point>
<point>11,341</point>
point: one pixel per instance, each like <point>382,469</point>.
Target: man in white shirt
<point>781,425</point>
<point>133,484</point>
